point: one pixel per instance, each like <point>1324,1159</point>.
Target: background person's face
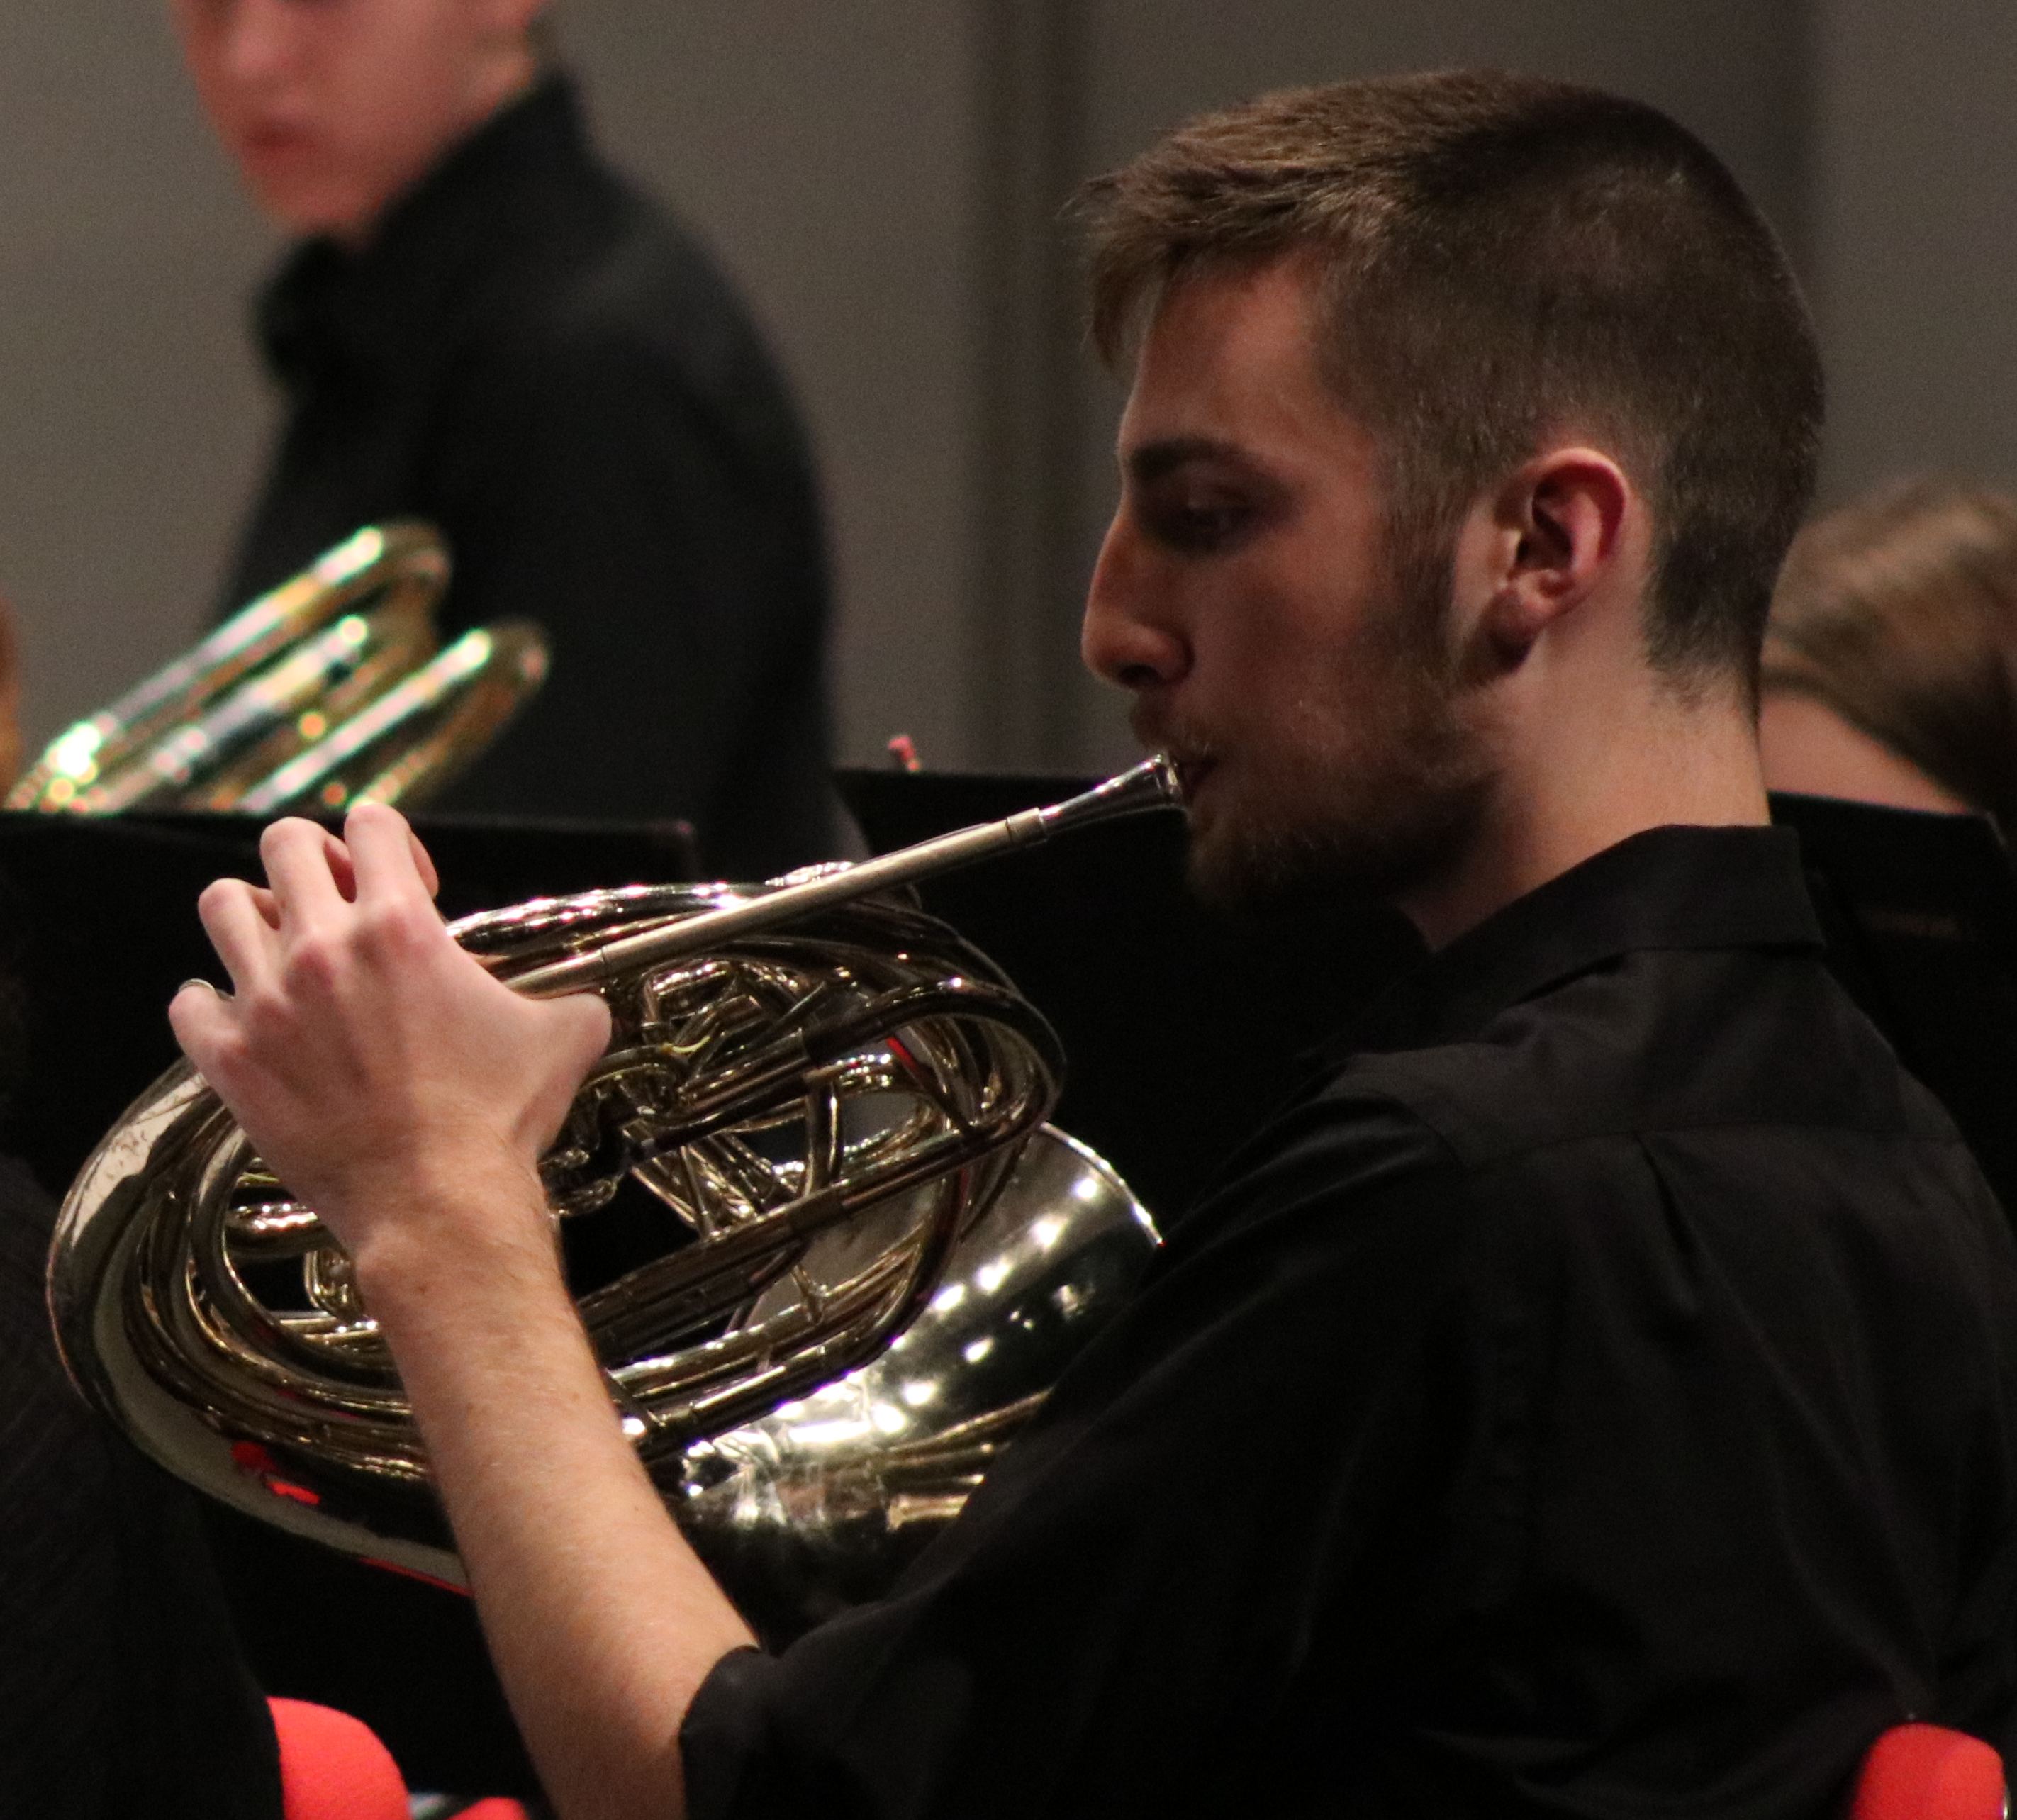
<point>1247,594</point>
<point>332,107</point>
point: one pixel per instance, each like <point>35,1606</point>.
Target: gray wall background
<point>884,176</point>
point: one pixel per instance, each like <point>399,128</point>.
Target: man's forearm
<point>602,1622</point>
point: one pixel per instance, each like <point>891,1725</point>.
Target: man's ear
<point>1556,525</point>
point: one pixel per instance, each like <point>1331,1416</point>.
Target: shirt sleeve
<point>1205,1530</point>
<point>651,507</point>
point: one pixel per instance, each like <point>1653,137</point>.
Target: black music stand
<point>1921,911</point>
<point>99,922</point>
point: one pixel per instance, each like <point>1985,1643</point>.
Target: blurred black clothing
<point>1596,1395</point>
<point>122,1693</point>
<point>531,355</point>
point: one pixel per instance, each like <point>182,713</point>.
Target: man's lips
<point>1190,765</point>
<point>1193,762</point>
<point>1192,772</point>
<point>273,139</point>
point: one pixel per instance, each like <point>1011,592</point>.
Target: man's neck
<point>495,87</point>
<point>1595,781</point>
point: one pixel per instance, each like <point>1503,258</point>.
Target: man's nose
<point>1129,637</point>
<point>257,38</point>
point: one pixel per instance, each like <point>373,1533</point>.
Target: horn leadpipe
<point>1151,784</point>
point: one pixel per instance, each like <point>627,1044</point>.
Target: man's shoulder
<point>1743,1068</point>
<point>1742,1100</point>
<point>1657,1040</point>
<point>1349,1156</point>
<point>639,275</point>
<point>624,306</point>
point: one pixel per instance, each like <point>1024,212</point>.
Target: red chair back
<point>333,1767</point>
<point>1926,1772</point>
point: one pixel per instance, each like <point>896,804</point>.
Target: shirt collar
<point>1665,888</point>
<point>328,310</point>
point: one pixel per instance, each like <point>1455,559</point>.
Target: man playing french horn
<point>1594,1394</point>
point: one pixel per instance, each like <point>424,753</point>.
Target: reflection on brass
<point>822,1503</point>
<point>824,1248</point>
<point>329,691</point>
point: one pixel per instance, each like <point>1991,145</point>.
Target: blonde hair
<point>1899,611</point>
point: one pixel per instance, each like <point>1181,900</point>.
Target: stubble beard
<point>1382,789</point>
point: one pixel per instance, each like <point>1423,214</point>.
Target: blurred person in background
<point>1890,664</point>
<point>482,325</point>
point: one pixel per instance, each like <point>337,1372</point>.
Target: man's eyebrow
<point>1152,461</point>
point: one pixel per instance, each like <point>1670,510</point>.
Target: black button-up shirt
<point>1596,1395</point>
<point>531,355</point>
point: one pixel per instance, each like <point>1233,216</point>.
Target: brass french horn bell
<point>826,1250</point>
<point>328,690</point>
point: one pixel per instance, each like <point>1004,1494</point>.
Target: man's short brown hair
<point>1497,258</point>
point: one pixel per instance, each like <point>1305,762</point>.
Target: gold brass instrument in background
<point>330,690</point>
<point>826,1252</point>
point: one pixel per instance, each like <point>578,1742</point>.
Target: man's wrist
<point>472,1231</point>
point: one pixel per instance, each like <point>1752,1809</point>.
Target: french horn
<point>825,1247</point>
<point>330,690</point>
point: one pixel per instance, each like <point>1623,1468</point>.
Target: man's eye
<point>1199,524</point>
